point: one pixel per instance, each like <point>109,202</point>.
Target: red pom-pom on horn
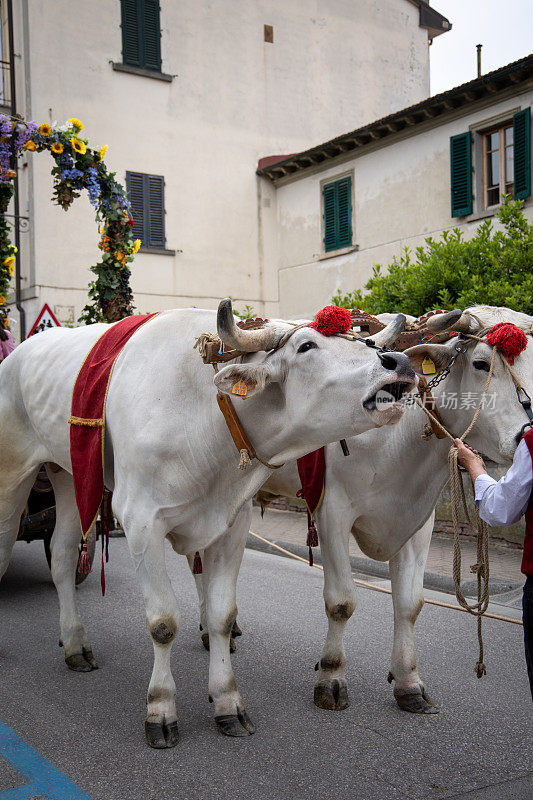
<point>508,338</point>
<point>332,320</point>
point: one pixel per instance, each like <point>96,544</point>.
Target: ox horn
<point>390,333</point>
<point>238,339</point>
<point>457,320</point>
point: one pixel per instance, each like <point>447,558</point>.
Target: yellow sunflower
<point>136,245</point>
<point>45,130</point>
<point>30,145</point>
<point>78,146</point>
<point>76,123</point>
<point>9,263</point>
<point>2,299</point>
<point>57,147</point>
<point>103,151</point>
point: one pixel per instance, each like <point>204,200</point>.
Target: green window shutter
<point>131,33</point>
<point>155,186</point>
<point>461,174</point>
<point>329,218</point>
<point>522,154</point>
<point>344,192</point>
<point>337,198</point>
<point>134,187</point>
<point>152,35</point>
<point>146,194</point>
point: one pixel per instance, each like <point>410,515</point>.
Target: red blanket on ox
<point>312,471</point>
<point>87,422</point>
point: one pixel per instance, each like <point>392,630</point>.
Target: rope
<point>382,589</point>
<point>202,342</point>
<point>481,568</point>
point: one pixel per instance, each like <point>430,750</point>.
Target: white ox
<point>384,494</point>
<point>172,464</point>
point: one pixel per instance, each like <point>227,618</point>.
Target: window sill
<point>334,253</point>
<point>144,73</point>
<point>158,251</point>
<point>487,212</point>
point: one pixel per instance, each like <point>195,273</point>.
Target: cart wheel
<point>91,544</point>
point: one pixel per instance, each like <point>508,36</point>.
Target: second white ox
<point>384,494</point>
<point>172,464</point>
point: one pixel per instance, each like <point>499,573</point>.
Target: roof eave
<point>430,19</point>
<point>434,107</point>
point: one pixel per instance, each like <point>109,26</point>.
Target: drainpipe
<point>18,289</point>
<point>479,46</point>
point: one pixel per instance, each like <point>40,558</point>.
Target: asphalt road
<point>90,726</point>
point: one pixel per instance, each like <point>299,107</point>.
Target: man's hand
<point>470,460</point>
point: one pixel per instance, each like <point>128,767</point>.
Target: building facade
<point>341,207</point>
<point>189,96</point>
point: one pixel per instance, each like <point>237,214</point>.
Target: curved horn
<point>390,333</point>
<point>245,341</point>
<point>457,320</point>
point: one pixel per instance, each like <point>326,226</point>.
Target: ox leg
<point>147,548</point>
<point>407,578</point>
<point>14,493</point>
<point>222,561</point>
<point>204,631</point>
<point>331,691</point>
<point>64,547</point>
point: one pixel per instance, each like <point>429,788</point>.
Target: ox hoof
<point>238,724</point>
<point>417,702</point>
<point>235,631</point>
<point>331,695</point>
<point>82,662</point>
<point>160,735</point>
<point>232,645</point>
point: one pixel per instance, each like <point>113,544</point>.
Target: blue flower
<point>93,186</point>
<point>71,174</point>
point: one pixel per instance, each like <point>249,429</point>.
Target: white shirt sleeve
<point>503,502</point>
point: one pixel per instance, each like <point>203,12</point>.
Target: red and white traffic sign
<point>46,319</point>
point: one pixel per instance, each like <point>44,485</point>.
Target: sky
<point>503,27</point>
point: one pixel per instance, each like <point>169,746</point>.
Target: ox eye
<point>481,365</point>
<point>307,346</point>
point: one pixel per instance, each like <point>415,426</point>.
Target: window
<point>502,157</point>
<point>141,35</point>
<point>337,200</point>
<point>147,197</point>
<point>498,164</point>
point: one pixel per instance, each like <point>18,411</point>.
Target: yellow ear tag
<point>428,366</point>
<point>240,388</point>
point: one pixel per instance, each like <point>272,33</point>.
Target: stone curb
<point>380,569</point>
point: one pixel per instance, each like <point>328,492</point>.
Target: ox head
<point>323,388</point>
<point>502,417</point>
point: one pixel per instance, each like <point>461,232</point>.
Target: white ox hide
<point>384,494</point>
<point>172,464</point>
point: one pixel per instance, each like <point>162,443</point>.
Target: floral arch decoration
<point>77,166</point>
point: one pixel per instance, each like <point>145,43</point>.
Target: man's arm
<point>500,502</point>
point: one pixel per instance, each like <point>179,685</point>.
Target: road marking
<point>44,780</point>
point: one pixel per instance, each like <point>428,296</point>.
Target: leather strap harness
<point>240,439</point>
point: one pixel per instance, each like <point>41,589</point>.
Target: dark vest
<point>527,559</point>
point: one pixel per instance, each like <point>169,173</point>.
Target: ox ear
<point>242,380</point>
<point>439,355</point>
